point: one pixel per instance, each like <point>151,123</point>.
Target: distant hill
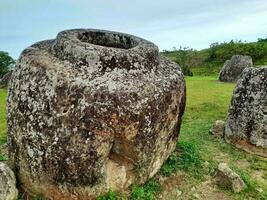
<point>209,61</point>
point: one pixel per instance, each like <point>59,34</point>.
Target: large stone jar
<point>92,110</point>
<point>246,125</point>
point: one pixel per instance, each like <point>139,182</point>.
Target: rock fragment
<point>8,190</point>
<point>218,128</point>
<point>227,178</point>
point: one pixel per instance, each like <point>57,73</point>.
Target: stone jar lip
<point>106,48</point>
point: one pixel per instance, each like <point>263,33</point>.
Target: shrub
<point>5,62</point>
<point>187,58</point>
<point>223,51</point>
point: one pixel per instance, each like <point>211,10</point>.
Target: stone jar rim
<point>105,49</point>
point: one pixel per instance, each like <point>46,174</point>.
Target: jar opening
<point>107,39</point>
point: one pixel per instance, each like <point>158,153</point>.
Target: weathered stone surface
<point>8,190</point>
<point>232,69</point>
<point>246,125</point>
<point>227,178</point>
<point>92,110</point>
<point>218,128</point>
<point>5,79</point>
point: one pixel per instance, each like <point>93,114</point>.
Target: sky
<point>167,23</point>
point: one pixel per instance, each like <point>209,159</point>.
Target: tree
<point>212,51</point>
<point>187,57</point>
<point>262,39</point>
<point>5,62</point>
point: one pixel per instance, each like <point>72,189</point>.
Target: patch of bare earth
<point>259,176</point>
<point>170,186</point>
<point>242,164</point>
<point>179,186</point>
<point>208,190</point>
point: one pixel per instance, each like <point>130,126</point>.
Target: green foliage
<point>208,62</point>
<point>262,39</point>
<point>3,157</point>
<point>207,101</point>
<point>186,159</point>
<point>110,196</point>
<point>186,58</point>
<point>38,198</point>
<point>145,192</point>
<point>5,62</point>
<point>189,155</point>
<point>137,193</point>
<point>221,52</point>
<point>170,166</point>
<point>210,69</point>
<point>251,190</point>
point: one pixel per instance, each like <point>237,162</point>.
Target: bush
<point>224,51</point>
<point>210,59</point>
<point>5,62</point>
<point>187,58</point>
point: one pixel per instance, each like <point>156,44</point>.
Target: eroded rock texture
<point>246,126</point>
<point>92,110</point>
<point>233,68</point>
<point>8,190</point>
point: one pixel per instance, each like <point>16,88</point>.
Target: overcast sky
<point>168,23</point>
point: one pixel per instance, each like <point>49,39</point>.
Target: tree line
<point>216,54</point>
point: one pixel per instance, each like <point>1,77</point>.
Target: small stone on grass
<point>227,178</point>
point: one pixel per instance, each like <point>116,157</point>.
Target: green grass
<point>145,192</point>
<point>3,157</point>
<point>207,101</point>
<point>184,158</point>
<point>209,69</point>
<point>3,130</point>
<point>110,196</point>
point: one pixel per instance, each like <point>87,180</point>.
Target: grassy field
<point>189,172</point>
<point>207,101</point>
<point>3,131</point>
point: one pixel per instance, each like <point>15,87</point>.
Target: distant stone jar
<point>92,110</point>
<point>233,68</point>
<point>246,125</point>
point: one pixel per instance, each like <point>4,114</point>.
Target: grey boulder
<point>8,190</point>
<point>218,128</point>
<point>246,125</point>
<point>227,178</point>
<point>232,68</point>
